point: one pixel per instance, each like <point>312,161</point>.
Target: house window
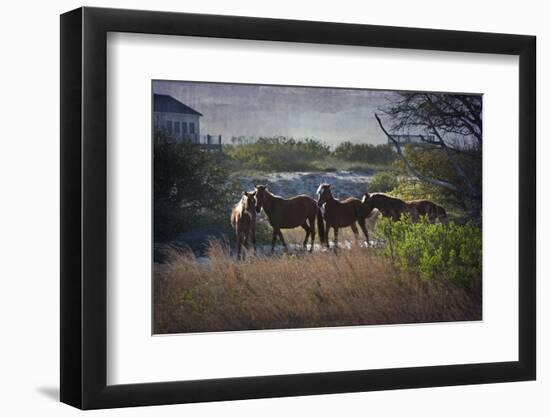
<point>169,126</point>
<point>177,128</point>
<point>184,127</point>
<point>191,127</point>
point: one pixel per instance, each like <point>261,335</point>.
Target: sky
<point>332,115</point>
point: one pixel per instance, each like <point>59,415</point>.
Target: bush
<point>288,154</point>
<point>383,182</point>
<point>435,251</point>
<point>191,189</point>
<point>363,152</point>
<point>279,154</point>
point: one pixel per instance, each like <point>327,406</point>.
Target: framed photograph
<point>257,208</point>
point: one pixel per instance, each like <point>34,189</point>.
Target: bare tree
<point>454,123</point>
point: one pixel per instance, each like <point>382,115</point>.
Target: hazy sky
<point>329,114</point>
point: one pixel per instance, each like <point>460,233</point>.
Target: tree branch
<point>454,162</point>
<point>410,168</point>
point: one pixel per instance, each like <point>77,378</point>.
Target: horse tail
<point>320,225</point>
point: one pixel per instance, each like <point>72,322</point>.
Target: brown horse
<point>243,220</point>
<point>393,207</point>
<point>345,213</point>
<point>427,208</point>
<point>289,213</point>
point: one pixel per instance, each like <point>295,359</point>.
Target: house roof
<point>167,104</point>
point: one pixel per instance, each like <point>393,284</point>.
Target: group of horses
<point>327,211</point>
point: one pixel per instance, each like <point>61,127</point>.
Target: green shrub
<point>433,250</point>
<point>282,153</point>
<point>191,189</point>
<point>365,152</point>
<point>383,182</point>
<point>278,154</point>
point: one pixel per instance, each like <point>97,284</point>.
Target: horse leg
<point>245,246</point>
<point>327,233</point>
<point>355,231</point>
<point>312,227</point>
<point>283,240</point>
<point>432,214</point>
<point>254,237</point>
<point>274,239</point>
<point>363,227</point>
<point>238,245</point>
<point>307,229</point>
<point>335,238</point>
<point>245,243</point>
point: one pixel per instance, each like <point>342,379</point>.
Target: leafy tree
<point>434,163</point>
<point>451,157</point>
<point>191,188</point>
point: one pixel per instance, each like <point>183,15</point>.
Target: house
<point>174,118</point>
<point>412,139</point>
<point>180,122</point>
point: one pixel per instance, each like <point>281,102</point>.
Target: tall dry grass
<point>352,287</point>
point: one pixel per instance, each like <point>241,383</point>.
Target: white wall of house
<point>178,125</point>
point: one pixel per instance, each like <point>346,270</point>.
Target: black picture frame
<point>84,207</point>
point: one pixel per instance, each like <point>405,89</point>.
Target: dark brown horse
<point>289,213</point>
<point>427,208</point>
<point>345,213</point>
<point>394,207</point>
<point>243,220</point>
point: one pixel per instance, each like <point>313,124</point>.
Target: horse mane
<point>235,211</point>
<point>272,194</point>
<point>323,185</point>
<point>240,207</point>
<point>240,210</point>
<point>296,196</point>
<point>389,197</point>
<point>348,199</point>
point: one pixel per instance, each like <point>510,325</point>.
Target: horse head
<point>367,203</point>
<point>323,194</point>
<point>249,201</point>
<point>259,192</point>
<point>440,212</point>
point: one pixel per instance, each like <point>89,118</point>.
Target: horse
<point>345,213</point>
<point>289,213</point>
<point>393,207</point>
<point>243,220</point>
<point>427,208</point>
